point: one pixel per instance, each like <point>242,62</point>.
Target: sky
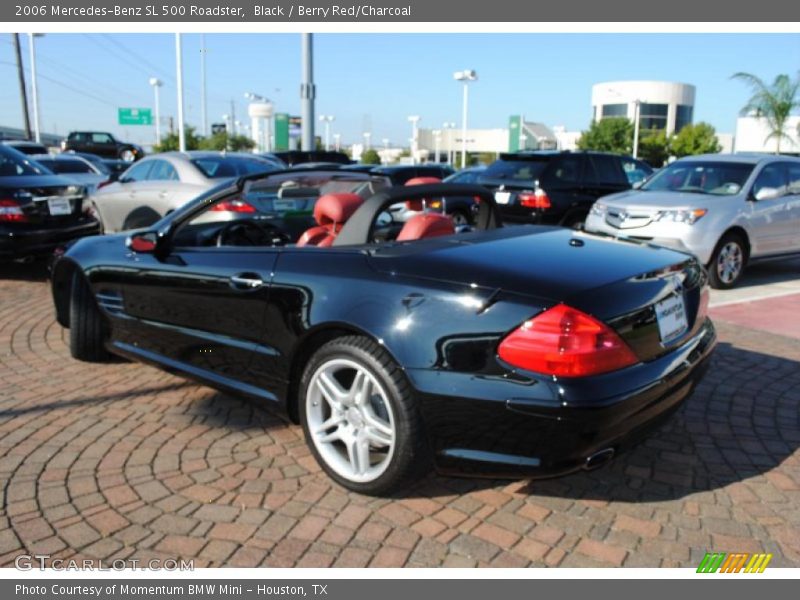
<point>373,82</point>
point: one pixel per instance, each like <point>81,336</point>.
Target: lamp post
<point>34,85</point>
<point>465,77</point>
<point>327,119</point>
<point>414,119</point>
<point>157,83</point>
<point>448,127</point>
<point>179,77</point>
<point>437,137</point>
<point>367,136</point>
<point>637,102</point>
<point>336,139</point>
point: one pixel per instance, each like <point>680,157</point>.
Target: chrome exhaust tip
<point>598,459</point>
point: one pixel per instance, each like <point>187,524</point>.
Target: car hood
<point>633,199</point>
<point>546,262</point>
<point>34,181</point>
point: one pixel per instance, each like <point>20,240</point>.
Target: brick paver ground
<point>123,461</point>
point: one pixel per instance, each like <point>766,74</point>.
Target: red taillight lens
<point>566,342</point>
<point>536,199</point>
<point>11,211</point>
<point>237,206</point>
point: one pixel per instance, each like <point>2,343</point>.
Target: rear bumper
<point>22,243</point>
<point>543,428</point>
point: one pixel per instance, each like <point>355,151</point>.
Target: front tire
<point>728,262</point>
<point>86,325</point>
<point>127,155</point>
<point>360,417</point>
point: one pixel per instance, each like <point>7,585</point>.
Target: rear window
<point>515,170</point>
<point>66,166</point>
<point>219,167</point>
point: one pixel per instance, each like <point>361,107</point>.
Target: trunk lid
<point>46,200</point>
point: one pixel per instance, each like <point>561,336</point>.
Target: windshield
<point>65,166</point>
<point>14,163</point>
<point>515,170</point>
<point>218,167</point>
<point>700,177</point>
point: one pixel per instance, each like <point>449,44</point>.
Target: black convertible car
<point>520,351</point>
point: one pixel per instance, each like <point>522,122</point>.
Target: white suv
<point>727,210</point>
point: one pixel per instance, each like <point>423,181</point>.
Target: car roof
<point>21,143</point>
<point>753,158</point>
<point>192,154</point>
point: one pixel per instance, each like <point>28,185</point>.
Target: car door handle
<point>246,281</point>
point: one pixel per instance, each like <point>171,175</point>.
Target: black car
<point>398,352</point>
<point>26,147</point>
<point>558,188</point>
<point>400,174</point>
<point>102,144</point>
<point>38,210</point>
<point>296,157</point>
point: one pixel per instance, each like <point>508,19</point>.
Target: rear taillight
<point>11,211</point>
<point>237,206</point>
<point>566,342</point>
<point>536,199</point>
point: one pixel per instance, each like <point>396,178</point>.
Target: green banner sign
<point>135,116</point>
<point>281,132</point>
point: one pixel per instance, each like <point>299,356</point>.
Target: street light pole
<point>34,86</point>
<point>414,119</point>
<point>203,101</point>
<point>636,110</point>
<point>22,92</point>
<point>179,78</point>
<point>465,77</point>
<point>367,136</point>
<point>327,119</point>
<point>307,92</point>
<point>336,138</point>
<point>437,137</point>
<point>156,83</point>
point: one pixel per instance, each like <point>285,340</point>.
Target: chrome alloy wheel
<point>350,420</point>
<point>730,262</point>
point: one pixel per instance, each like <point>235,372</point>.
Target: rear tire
<point>352,397</point>
<point>87,328</point>
<point>727,262</point>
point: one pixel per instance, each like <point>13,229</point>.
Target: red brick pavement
<point>123,461</point>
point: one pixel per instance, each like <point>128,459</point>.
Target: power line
<point>138,57</point>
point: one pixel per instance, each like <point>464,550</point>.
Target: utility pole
<point>307,91</point>
<point>203,103</point>
<point>23,94</point>
<point>233,117</point>
<point>34,86</point>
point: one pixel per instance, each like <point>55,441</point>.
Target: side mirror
<point>144,242</point>
<point>768,193</point>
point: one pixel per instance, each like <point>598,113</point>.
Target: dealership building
<point>661,105</point>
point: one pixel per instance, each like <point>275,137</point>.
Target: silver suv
<point>727,210</point>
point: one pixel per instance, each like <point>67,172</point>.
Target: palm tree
<point>774,103</point>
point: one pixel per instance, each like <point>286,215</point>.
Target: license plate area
<point>671,317</point>
<point>59,206</point>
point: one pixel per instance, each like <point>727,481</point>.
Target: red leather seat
<point>419,204</point>
<point>330,212</point>
<point>426,225</point>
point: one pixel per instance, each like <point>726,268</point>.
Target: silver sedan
<point>160,183</point>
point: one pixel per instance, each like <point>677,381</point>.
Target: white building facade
<point>752,132</point>
<point>661,105</point>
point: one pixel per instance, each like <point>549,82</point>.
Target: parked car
<point>103,164</point>
<point>395,353</point>
<point>38,210</point>
<point>26,147</point>
<point>557,188</point>
<point>75,168</point>
<point>400,174</point>
<point>158,184</point>
<point>296,157</point>
<point>102,144</point>
<point>727,210</point>
<point>468,175</point>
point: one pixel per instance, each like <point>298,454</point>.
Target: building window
<point>615,110</point>
<point>683,116</point>
<point>653,116</point>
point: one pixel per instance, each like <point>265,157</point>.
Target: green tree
<point>486,158</point>
<point>223,141</point>
<point>170,142</point>
<point>614,134</point>
<point>654,147</point>
<point>774,103</point>
<point>700,138</point>
<point>370,157</point>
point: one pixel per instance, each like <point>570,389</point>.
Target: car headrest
<point>426,225</point>
<point>419,204</point>
<point>332,210</point>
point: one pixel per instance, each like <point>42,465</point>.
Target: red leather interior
<point>426,225</point>
<point>418,204</point>
<point>330,212</point>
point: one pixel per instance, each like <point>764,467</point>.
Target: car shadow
<point>740,422</point>
<point>772,271</point>
<point>29,270</point>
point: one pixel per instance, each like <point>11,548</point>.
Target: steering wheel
<point>249,233</point>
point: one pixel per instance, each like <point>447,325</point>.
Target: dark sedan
<point>521,351</point>
<point>38,210</point>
